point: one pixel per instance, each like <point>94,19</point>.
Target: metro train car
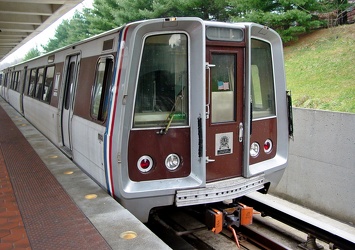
<point>170,111</point>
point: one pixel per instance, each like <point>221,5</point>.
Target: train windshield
<point>162,90</point>
<point>262,76</point>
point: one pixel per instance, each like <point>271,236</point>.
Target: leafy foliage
<point>101,17</point>
<point>289,17</point>
<point>34,52</point>
<point>70,31</point>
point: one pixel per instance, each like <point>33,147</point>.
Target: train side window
<point>12,83</point>
<point>39,84</point>
<point>17,83</point>
<point>48,84</point>
<point>101,89</point>
<point>14,80</point>
<point>262,89</point>
<point>31,86</point>
<point>162,90</point>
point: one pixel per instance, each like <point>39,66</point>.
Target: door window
<point>223,96</point>
<point>69,87</point>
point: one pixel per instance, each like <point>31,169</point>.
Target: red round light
<point>267,146</point>
<point>145,163</point>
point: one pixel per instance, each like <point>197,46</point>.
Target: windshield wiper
<point>170,117</point>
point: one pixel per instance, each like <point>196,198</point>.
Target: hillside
<point>320,69</point>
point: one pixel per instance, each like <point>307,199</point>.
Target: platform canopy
<point>22,20</point>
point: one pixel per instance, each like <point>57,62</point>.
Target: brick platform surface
<point>12,231</point>
<point>35,211</point>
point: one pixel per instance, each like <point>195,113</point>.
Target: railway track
<point>333,237</point>
<point>182,228</point>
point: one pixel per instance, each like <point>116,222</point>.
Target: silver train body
<point>175,111</point>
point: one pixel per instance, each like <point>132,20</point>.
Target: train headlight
<point>172,162</point>
<point>254,149</point>
<point>145,163</point>
<point>267,146</point>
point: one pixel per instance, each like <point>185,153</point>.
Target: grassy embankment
<point>320,69</point>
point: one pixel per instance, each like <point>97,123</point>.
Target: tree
<point>78,28</point>
<point>129,10</point>
<point>69,32</point>
<point>60,37</point>
<point>289,18</point>
<point>333,12</point>
<point>32,53</point>
<point>101,17</point>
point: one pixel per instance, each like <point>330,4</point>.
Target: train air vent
<point>108,44</point>
<point>51,58</point>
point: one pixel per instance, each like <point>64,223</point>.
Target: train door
<point>22,90</point>
<point>2,82</point>
<point>67,104</point>
<point>7,85</point>
<point>224,123</point>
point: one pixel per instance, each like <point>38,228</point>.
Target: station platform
<point>47,202</point>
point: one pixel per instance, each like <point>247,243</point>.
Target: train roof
<point>118,29</point>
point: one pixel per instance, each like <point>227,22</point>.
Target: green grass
<point>320,69</point>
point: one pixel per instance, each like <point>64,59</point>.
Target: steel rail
<point>260,239</point>
<point>320,230</point>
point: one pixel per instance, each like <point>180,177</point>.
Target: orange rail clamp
<point>246,215</point>
<point>214,220</point>
<point>218,221</point>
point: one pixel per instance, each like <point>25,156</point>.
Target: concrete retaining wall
<point>321,170</point>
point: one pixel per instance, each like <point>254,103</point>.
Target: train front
<point>200,113</point>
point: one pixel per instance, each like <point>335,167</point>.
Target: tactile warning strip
<point>52,220</point>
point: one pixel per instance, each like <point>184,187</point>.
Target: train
<point>164,112</point>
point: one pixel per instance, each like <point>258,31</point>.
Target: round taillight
<point>145,163</point>
<point>172,162</point>
<point>267,146</point>
<point>254,149</point>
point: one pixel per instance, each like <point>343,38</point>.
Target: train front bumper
<point>219,191</point>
